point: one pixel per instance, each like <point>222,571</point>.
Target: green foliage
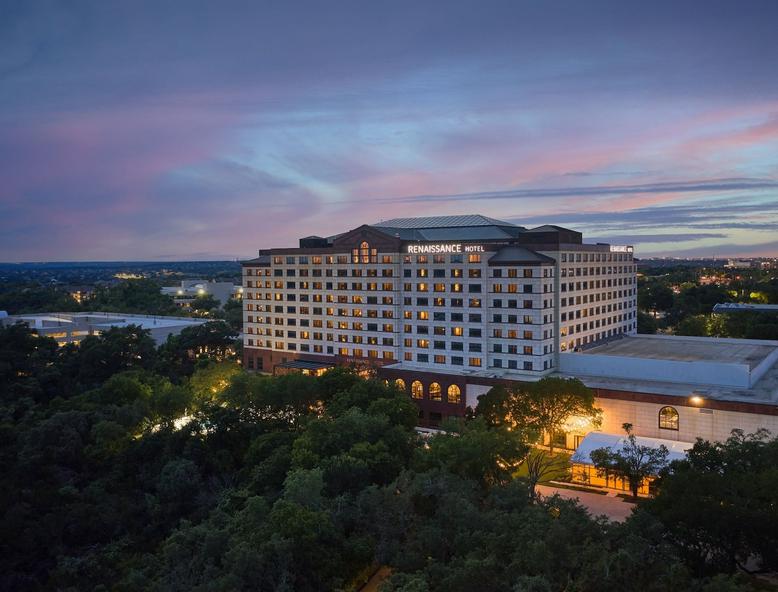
<point>539,408</point>
<point>646,323</point>
<point>121,473</point>
<point>632,462</point>
<point>19,299</point>
<point>233,313</point>
<point>205,303</point>
<point>181,354</point>
<point>718,505</point>
<point>475,452</point>
<point>140,296</point>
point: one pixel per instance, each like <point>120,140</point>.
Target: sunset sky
<point>205,130</point>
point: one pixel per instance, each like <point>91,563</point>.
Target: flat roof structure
<point>742,307</point>
<point>687,349</point>
<point>594,440</point>
<point>69,327</point>
<point>698,369</point>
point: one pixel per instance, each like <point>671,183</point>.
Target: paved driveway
<point>613,507</point>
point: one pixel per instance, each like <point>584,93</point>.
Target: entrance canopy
<point>595,440</point>
<point>303,367</point>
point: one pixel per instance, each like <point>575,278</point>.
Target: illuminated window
<point>400,384</point>
<point>417,390</point>
<point>472,258</point>
<point>454,394</point>
<point>668,418</point>
<point>435,392</point>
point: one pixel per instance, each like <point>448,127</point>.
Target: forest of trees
<point>125,467</point>
<point>673,300</point>
<point>136,296</point>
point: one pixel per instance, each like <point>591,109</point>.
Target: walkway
<point>613,507</point>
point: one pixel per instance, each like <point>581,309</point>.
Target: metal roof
<point>518,255</point>
<point>442,222</point>
<point>593,440</point>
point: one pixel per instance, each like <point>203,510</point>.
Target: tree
<point>204,304</point>
<point>541,466</point>
<point>139,296</point>
<point>718,504</point>
<point>633,462</point>
<point>646,323</point>
<point>473,450</point>
<point>695,326</point>
<point>540,408</point>
<point>98,357</point>
<point>233,313</point>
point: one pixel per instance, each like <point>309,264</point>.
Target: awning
<point>594,440</point>
<point>304,365</point>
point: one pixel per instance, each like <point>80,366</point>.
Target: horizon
<point>149,133</point>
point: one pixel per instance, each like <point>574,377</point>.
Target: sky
<point>207,130</point>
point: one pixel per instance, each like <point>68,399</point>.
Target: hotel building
<point>448,307</point>
<point>451,294</point>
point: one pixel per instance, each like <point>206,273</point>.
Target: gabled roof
<point>519,256</point>
<point>549,228</point>
<point>472,227</point>
<point>442,222</point>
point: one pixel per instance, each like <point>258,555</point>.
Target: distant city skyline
<point>199,130</point>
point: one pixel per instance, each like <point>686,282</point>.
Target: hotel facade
<point>454,296</point>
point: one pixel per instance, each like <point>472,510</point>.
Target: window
<point>668,418</point>
<point>435,392</point>
<point>454,394</point>
<point>417,390</point>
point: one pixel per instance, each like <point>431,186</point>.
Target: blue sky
<point>189,130</point>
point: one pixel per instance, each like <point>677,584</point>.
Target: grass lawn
<point>558,473</point>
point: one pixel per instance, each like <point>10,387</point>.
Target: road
<point>613,507</point>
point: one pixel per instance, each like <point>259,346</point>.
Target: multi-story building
<point>440,294</point>
<point>449,307</point>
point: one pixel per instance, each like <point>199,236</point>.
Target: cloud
<point>657,238</point>
<point>765,249</point>
<point>716,185</point>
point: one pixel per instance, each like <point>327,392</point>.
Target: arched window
<point>436,394</point>
<point>668,418</point>
<point>400,384</point>
<point>454,394</point>
<point>364,252</point>
<point>417,390</point>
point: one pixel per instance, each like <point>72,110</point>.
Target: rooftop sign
<point>620,249</point>
<point>445,248</point>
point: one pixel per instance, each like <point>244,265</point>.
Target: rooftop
<point>441,228</point>
<point>687,349</point>
<point>102,319</point>
<point>594,440</point>
<point>443,222</point>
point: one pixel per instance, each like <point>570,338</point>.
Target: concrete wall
<point>693,423</point>
<point>702,373</point>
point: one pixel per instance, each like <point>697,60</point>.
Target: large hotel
<point>447,307</point>
<point>458,293</point>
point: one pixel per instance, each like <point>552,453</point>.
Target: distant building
<point>744,307</point>
<point>186,293</point>
<point>66,327</point>
<point>739,264</point>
